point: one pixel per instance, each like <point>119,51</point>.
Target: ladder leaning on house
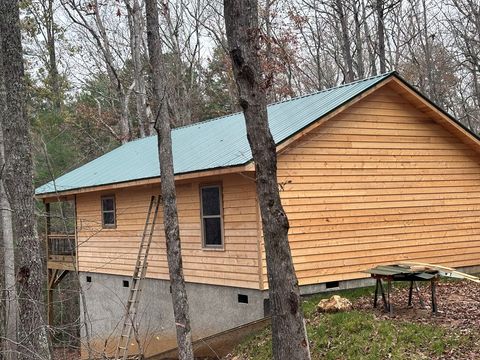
<point>139,273</point>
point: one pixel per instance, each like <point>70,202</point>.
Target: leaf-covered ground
<point>366,333</point>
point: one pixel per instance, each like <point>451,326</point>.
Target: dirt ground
<point>458,305</point>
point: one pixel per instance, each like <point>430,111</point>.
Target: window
<point>108,211</point>
<point>211,212</point>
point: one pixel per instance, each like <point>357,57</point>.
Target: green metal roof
<point>212,144</point>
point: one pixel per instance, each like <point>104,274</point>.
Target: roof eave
<point>60,195</point>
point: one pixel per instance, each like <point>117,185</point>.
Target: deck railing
<point>61,244</point>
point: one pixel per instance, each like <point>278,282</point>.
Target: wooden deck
<point>61,252</point>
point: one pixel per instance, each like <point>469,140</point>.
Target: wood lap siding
<point>379,183</point>
<point>114,251</point>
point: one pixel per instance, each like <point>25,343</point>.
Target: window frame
<point>102,211</point>
<point>206,246</point>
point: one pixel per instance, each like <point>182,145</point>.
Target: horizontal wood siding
<point>379,183</point>
<point>114,251</point>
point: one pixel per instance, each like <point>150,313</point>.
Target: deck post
<point>389,290</point>
<point>410,293</point>
<point>49,271</point>
<point>50,280</point>
<point>376,294</point>
<point>47,226</point>
<point>434,300</point>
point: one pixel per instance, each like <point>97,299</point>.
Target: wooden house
<point>370,172</point>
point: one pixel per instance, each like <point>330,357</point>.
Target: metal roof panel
<point>215,143</point>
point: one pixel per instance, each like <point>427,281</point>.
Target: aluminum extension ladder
<point>136,284</point>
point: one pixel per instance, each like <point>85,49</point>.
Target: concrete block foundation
<point>212,308</point>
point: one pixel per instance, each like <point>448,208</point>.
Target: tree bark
<point>8,295</point>
<point>9,291</point>
<point>379,10</point>
<point>18,181</point>
<point>429,66</point>
<point>288,326</point>
<point>136,31</point>
<point>369,41</point>
<point>358,38</point>
<point>169,197</point>
<point>347,54</point>
<point>54,77</point>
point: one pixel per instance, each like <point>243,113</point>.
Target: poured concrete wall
<point>213,309</point>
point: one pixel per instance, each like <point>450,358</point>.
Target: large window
<point>108,212</point>
<point>211,212</point>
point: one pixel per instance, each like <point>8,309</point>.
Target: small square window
<point>126,283</point>
<point>108,212</point>
<point>212,216</point>
<point>89,279</point>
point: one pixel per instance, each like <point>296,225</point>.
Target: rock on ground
<point>335,304</point>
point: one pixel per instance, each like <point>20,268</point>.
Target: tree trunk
<point>169,197</point>
<point>369,42</point>
<point>288,326</point>
<point>18,182</point>
<point>136,31</point>
<point>54,78</point>
<point>347,54</point>
<point>8,294</point>
<point>432,93</point>
<point>9,291</point>
<point>379,9</point>
<point>358,39</point>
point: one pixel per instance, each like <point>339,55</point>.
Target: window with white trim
<point>212,216</point>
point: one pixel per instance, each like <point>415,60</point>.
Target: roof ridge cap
<point>384,75</point>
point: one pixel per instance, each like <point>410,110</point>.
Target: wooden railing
<point>61,244</point>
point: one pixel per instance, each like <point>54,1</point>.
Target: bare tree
<point>82,15</point>
<point>463,22</point>
<point>17,179</point>
<point>39,24</point>
<point>288,326</point>
<point>167,183</point>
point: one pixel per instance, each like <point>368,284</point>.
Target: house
<point>370,172</point>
